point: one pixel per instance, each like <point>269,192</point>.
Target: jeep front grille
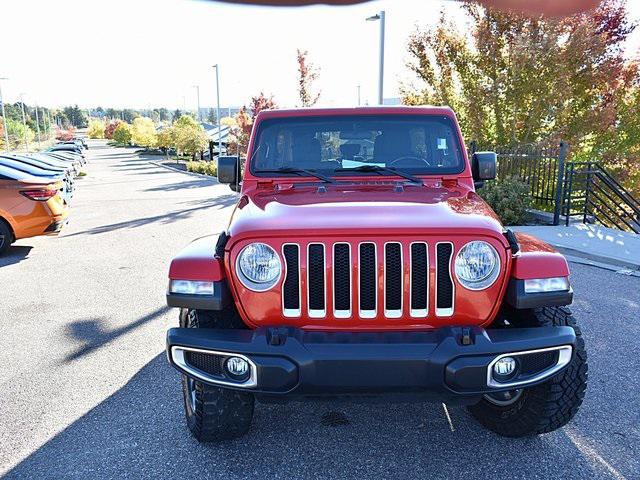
<point>366,280</point>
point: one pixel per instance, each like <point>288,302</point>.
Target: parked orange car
<point>29,206</point>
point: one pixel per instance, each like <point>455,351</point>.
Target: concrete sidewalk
<point>593,242</point>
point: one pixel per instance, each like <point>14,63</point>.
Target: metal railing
<point>592,193</point>
<point>541,167</point>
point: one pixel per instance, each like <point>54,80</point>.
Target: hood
<point>289,210</point>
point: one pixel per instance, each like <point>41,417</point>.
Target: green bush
<point>509,198</point>
<point>206,168</point>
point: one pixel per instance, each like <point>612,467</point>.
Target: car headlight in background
<point>258,267</point>
<point>477,265</point>
<point>540,285</point>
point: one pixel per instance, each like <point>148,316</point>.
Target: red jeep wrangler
<point>359,261</point>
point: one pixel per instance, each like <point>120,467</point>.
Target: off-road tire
<point>550,405</point>
<point>219,413</point>
<point>6,237</point>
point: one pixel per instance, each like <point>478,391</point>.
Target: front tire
<point>545,407</point>
<point>214,413</point>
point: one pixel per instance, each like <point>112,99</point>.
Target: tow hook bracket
<point>466,336</point>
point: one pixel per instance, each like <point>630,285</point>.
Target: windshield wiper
<point>299,171</point>
<point>381,170</point>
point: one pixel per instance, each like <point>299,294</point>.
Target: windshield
<point>417,144</point>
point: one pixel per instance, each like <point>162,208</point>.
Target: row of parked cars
<point>36,190</point>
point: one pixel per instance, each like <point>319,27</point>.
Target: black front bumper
<point>449,364</point>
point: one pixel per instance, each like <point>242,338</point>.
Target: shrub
<point>65,135</point>
<point>95,129</point>
<point>509,198</point>
<point>122,134</point>
<point>110,128</point>
<point>206,168</point>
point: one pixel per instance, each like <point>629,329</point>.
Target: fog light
<point>504,368</point>
<point>237,368</point>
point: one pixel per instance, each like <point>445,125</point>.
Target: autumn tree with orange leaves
<point>307,75</point>
<point>517,79</point>
<point>244,122</point>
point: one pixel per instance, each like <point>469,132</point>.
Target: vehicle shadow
<point>165,218</point>
<point>140,432</point>
<point>15,254</point>
<point>92,334</point>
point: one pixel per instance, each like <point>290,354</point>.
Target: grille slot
<point>379,270</point>
<point>206,362</point>
<point>419,280</point>
<point>393,287</point>
<point>444,283</point>
<point>316,280</point>
<point>341,280</point>
<point>368,280</point>
<point>291,286</point>
<point>533,363</point>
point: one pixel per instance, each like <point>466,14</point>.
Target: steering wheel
<point>408,161</point>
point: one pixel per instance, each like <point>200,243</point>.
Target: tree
<point>76,117</point>
<point>177,114</point>
<point>17,132</point>
<point>122,134</point>
<point>189,136</point>
<point>96,128</point>
<point>244,121</point>
<point>521,79</point>
<point>307,75</point>
<point>166,138</point>
<point>211,117</point>
<point>143,132</point>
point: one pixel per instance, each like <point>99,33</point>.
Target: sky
<point>151,53</point>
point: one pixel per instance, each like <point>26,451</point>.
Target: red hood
<point>368,208</point>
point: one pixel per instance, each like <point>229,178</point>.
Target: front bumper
<point>449,364</point>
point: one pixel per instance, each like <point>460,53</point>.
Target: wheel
<point>545,407</point>
<point>214,413</point>
<point>6,237</point>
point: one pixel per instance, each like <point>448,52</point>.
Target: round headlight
<point>258,266</point>
<point>477,265</point>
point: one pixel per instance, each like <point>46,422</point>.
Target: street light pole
<point>217,67</point>
<point>38,127</point>
<point>24,123</point>
<point>4,119</point>
<point>380,16</point>
<point>197,87</point>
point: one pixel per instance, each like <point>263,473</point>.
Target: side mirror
<point>229,171</point>
<point>483,166</point>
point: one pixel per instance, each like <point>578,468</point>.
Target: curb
<point>616,262</point>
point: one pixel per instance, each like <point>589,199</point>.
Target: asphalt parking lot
<point>86,390</point>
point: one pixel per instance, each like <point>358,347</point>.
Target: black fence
<point>542,167</point>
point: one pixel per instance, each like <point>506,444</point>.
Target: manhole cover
<point>334,419</point>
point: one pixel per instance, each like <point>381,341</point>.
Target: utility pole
<point>358,87</point>
<point>4,119</point>
<point>24,123</point>
<point>381,17</point>
<point>198,116</point>
<point>217,67</point>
